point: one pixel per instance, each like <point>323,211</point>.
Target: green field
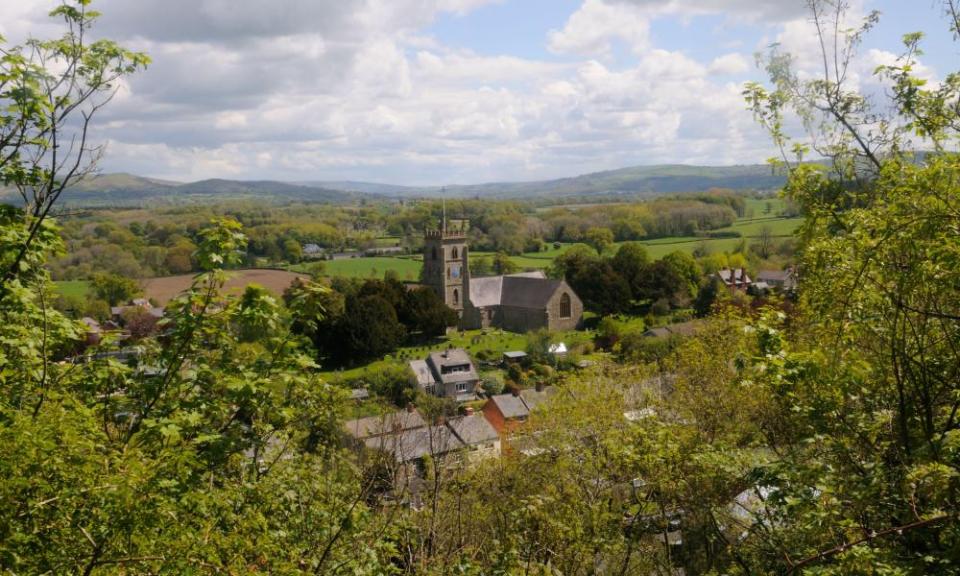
<point>75,288</point>
<point>373,267</point>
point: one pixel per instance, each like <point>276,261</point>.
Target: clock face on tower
<point>456,272</point>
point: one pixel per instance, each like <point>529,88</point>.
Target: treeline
<point>158,242</point>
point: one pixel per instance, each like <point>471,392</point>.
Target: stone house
<point>447,374</point>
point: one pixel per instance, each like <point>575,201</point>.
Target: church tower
<point>445,265</point>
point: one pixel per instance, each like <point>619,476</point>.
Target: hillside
<point>129,190</point>
<point>641,181</point>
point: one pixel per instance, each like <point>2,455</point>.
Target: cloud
<point>359,89</point>
<point>729,64</point>
<point>591,29</point>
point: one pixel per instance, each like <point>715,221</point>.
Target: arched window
<point>434,252</point>
<point>565,306</point>
<point>456,297</point>
<point>448,272</point>
<point>455,254</point>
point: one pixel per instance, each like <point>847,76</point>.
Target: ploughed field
<point>162,290</point>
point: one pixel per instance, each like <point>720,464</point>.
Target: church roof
<point>485,291</point>
<point>525,290</point>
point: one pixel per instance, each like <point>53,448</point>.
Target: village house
<point>507,411</point>
<point>447,374</point>
<point>407,441</point>
<point>735,278</point>
<point>515,302</point>
<point>780,279</point>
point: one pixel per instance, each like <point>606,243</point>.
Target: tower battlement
<point>448,234</point>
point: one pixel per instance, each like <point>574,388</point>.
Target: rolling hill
<point>116,190</point>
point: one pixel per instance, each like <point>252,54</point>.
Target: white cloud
<point>592,28</point>
<point>729,64</point>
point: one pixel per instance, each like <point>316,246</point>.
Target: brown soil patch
<point>162,290</point>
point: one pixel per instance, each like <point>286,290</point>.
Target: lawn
<point>74,288</point>
<point>373,267</point>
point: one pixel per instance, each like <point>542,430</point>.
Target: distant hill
<point>636,181</point>
<point>640,181</point>
<point>116,190</point>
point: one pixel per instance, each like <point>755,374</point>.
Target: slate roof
<point>422,372</point>
<point>372,426</point>
<point>524,290</point>
<point>533,397</point>
<point>734,276</point>
<point>510,406</point>
<point>417,443</point>
<point>452,357</point>
<point>474,429</point>
<point>486,291</point>
<point>521,405</point>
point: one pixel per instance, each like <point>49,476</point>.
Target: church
<point>514,302</point>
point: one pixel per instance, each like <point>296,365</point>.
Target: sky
<point>434,92</point>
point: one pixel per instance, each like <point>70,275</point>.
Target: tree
<point>115,290</point>
<point>368,329</point>
<point>599,238</point>
<point>764,243</point>
<point>631,261</point>
<point>502,264</point>
<point>427,313</point>
<point>879,288</point>
<point>52,91</point>
<point>574,259</point>
<point>481,266</point>
<point>601,288</point>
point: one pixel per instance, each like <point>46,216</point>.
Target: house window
<point>462,387</point>
<point>456,296</point>
<point>565,306</point>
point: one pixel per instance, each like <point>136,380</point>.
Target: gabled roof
<point>523,292</point>
<point>372,426</point>
<point>533,397</point>
<point>775,275</point>
<point>473,429</point>
<point>522,404</point>
<point>422,372</point>
<point>417,443</point>
<point>734,276</point>
<point>486,291</point>
<point>510,406</point>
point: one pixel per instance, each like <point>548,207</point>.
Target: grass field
<point>75,288</point>
<point>374,267</point>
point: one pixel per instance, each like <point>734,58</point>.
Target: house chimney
<point>468,411</point>
<point>411,407</point>
<point>539,387</point>
<point>441,420</point>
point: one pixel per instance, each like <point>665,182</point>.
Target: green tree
<point>502,264</point>
<point>599,238</point>
<point>115,290</point>
<point>631,261</point>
